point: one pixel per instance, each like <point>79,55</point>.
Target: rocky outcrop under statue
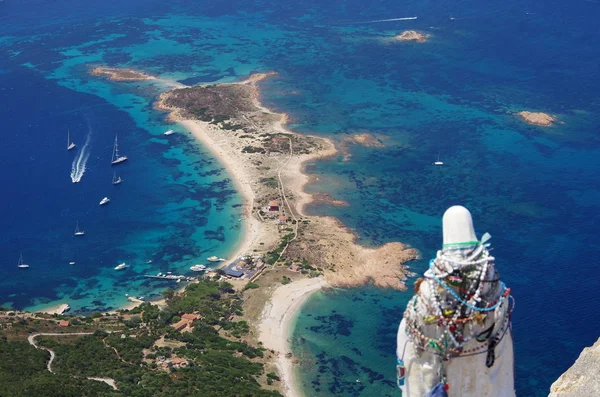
<point>582,378</point>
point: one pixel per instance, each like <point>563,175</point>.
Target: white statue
<point>455,338</point>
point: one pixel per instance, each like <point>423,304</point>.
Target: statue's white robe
<point>465,376</point>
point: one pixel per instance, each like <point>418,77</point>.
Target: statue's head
<point>458,228</point>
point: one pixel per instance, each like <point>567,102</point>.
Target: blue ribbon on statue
<point>467,304</point>
<point>438,391</point>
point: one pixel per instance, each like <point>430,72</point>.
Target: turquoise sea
<point>339,73</point>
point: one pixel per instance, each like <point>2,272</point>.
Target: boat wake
<point>79,162</point>
<point>389,20</point>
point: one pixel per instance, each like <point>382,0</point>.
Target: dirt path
<point>31,340</point>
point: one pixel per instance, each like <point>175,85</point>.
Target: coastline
<point>250,226</point>
<point>352,265</point>
<point>267,165</point>
<point>276,326</point>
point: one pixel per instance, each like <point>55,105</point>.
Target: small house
<point>181,324</point>
<point>190,317</point>
<point>64,323</point>
<point>273,206</point>
<point>282,220</point>
<point>178,362</point>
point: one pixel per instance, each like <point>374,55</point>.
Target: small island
<point>538,118</point>
<point>121,74</point>
<point>412,35</point>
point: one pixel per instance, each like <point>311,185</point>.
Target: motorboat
<point>215,259</point>
<point>105,200</point>
<point>198,268</point>
<point>169,132</point>
<point>121,266</point>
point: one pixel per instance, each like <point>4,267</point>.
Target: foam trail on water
<point>79,162</point>
<point>390,20</point>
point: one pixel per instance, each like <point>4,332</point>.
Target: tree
<point>168,294</point>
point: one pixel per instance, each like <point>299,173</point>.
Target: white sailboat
<point>116,159</point>
<point>169,132</point>
<point>121,266</point>
<point>438,162</point>
<point>105,200</point>
<point>116,179</point>
<point>21,264</point>
<point>70,145</point>
<point>77,231</point>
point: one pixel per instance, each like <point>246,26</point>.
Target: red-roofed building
<point>180,325</point>
<point>190,316</point>
<point>64,323</point>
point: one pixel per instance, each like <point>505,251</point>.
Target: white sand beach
<point>277,321</point>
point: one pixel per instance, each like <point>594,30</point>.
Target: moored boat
<point>77,231</point>
<point>116,158</point>
<point>116,179</point>
<point>215,259</point>
<point>70,145</point>
<point>21,264</point>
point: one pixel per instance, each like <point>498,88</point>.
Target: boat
<point>20,264</point>
<point>72,263</point>
<point>116,179</point>
<point>104,200</point>
<point>121,266</point>
<point>215,259</point>
<point>198,268</point>
<point>116,159</point>
<point>70,145</point>
<point>77,231</point>
<point>170,132</point>
<point>438,162</point>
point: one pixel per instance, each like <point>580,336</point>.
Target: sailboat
<point>20,264</point>
<point>116,159</point>
<point>438,162</point>
<point>116,179</point>
<point>70,145</point>
<point>77,231</point>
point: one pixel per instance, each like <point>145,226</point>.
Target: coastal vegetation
<point>144,350</point>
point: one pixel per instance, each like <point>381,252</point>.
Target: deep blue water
<point>535,190</point>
